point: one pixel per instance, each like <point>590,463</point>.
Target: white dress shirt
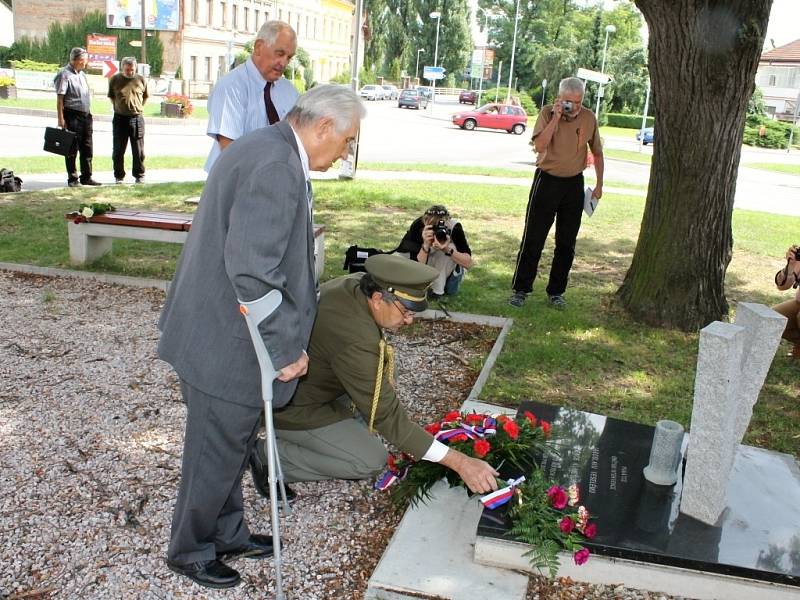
<point>236,105</point>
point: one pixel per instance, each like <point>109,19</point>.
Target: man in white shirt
<point>255,94</point>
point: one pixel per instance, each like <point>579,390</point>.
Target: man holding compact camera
<point>438,240</point>
<point>789,277</point>
<point>562,137</point>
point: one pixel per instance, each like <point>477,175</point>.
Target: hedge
<point>626,121</point>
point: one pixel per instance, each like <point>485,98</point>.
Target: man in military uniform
<point>351,367</point>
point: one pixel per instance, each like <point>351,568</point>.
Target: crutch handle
<point>255,312</point>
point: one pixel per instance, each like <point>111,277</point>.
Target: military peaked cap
<point>406,279</point>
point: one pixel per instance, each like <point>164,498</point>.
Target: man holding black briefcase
<point>73,103</point>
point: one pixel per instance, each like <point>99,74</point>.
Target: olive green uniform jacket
<point>343,359</point>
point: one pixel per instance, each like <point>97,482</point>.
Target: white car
<point>390,91</point>
<point>371,92</point>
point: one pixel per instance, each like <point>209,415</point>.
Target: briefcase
<point>59,141</point>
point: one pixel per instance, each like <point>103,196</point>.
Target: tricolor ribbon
<point>501,496</point>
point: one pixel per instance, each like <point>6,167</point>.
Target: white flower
<point>87,212</point>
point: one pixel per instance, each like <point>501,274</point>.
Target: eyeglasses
<point>407,314</point>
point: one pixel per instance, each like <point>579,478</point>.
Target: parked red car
<point>508,117</point>
<point>468,97</point>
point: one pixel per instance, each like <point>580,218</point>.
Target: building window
<point>193,67</point>
<point>235,17</point>
<point>246,19</point>
<point>224,8</point>
<point>208,68</point>
<point>771,81</point>
<point>256,14</point>
<point>195,10</point>
<point>315,27</point>
<point>209,12</point>
<point>223,67</point>
<point>280,14</point>
<point>306,29</point>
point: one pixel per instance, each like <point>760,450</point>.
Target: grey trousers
<point>344,450</point>
<point>209,511</point>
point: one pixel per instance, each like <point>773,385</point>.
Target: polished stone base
<point>756,538</point>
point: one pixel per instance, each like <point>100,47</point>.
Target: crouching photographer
<point>438,240</point>
<point>789,277</point>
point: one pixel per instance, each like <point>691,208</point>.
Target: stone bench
<point>89,240</point>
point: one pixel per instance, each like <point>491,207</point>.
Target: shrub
<point>767,133</point>
<point>626,121</point>
<point>524,99</point>
<point>33,65</point>
<point>7,81</point>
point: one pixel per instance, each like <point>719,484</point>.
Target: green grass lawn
<point>630,155</point>
<point>776,168</point>
<point>591,356</point>
<point>100,106</point>
<point>24,165</point>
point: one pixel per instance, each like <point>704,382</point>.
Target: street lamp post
<point>609,29</point>
<point>416,70</point>
<point>544,88</point>
<point>513,51</point>
<point>438,16</point>
<point>499,72</point>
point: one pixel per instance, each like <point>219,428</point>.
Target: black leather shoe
<point>90,182</point>
<point>257,547</point>
<point>209,573</point>
<point>260,473</point>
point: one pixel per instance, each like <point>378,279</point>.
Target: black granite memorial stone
<point>757,536</point>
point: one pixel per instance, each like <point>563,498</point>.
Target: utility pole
<point>144,34</point>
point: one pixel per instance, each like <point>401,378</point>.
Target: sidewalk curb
<point>43,112</point>
<point>126,280</point>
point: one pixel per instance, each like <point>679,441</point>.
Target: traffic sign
<point>595,76</point>
<point>433,72</point>
<point>110,68</point>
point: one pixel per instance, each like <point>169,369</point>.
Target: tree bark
<point>703,56</point>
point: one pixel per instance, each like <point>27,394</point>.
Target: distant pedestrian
<point>73,107</point>
<point>255,94</point>
<point>563,135</point>
<point>128,93</point>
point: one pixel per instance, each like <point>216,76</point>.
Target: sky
<point>784,21</point>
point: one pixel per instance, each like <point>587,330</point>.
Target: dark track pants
<point>124,129</point>
<point>80,124</point>
<point>209,510</point>
<point>551,198</point>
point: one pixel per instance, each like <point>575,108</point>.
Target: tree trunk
<point>703,56</point>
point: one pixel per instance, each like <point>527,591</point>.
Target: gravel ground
<point>91,432</point>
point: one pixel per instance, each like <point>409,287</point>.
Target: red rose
<point>531,417</point>
<point>433,428</point>
<point>502,419</point>
<point>545,427</point>
<point>391,462</point>
<point>453,415</point>
<point>590,531</point>
<point>77,220</point>
<point>566,525</point>
<point>581,556</point>
<point>558,497</point>
<point>481,448</point>
<point>459,437</point>
<point>512,429</point>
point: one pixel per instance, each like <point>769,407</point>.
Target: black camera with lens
<point>441,231</point>
<point>797,253</point>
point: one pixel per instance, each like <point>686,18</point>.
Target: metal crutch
<point>254,313</point>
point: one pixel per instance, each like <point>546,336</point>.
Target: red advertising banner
<point>100,48</point>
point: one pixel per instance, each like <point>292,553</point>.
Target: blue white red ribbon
<point>503,495</point>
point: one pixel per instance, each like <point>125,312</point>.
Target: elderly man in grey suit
<point>252,234</point>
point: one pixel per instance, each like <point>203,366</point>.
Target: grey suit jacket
<point>252,233</point>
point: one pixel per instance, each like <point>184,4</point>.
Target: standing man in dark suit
<point>73,108</point>
<point>252,234</point>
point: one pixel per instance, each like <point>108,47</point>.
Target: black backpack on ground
<point>8,182</point>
